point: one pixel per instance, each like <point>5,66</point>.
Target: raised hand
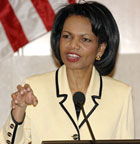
<point>21,99</point>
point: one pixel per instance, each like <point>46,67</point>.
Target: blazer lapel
<point>65,97</point>
<point>93,96</point>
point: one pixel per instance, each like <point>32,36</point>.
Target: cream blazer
<point>108,107</point>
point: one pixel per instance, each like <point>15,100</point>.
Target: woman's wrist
<point>16,122</point>
<point>18,114</point>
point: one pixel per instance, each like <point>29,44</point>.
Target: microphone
<point>79,100</point>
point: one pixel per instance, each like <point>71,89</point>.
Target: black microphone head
<point>79,99</point>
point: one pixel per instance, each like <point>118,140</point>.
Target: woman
<point>85,40</point>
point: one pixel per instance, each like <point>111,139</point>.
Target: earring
<point>98,57</point>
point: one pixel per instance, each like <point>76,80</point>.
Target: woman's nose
<point>75,44</point>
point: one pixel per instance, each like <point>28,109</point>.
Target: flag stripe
<point>29,19</point>
<point>72,1</point>
<point>12,26</point>
<point>45,11</point>
<point>5,47</point>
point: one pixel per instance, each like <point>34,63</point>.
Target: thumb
<point>35,101</point>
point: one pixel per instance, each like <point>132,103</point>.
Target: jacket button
<point>9,134</point>
<point>8,142</point>
<point>75,136</point>
<point>11,126</point>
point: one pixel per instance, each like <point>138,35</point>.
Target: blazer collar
<point>93,88</point>
<point>66,99</point>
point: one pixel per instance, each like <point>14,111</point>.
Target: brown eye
<point>66,36</point>
<point>86,40</point>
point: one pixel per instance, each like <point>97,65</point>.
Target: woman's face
<point>78,44</point>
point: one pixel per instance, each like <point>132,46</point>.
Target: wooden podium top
<point>130,141</point>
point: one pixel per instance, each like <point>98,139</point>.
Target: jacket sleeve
<point>15,133</point>
<point>127,118</point>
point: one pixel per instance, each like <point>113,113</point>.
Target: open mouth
<point>72,57</point>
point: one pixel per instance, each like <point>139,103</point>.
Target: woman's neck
<point>79,79</point>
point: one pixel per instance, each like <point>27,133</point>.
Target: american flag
<point>22,21</point>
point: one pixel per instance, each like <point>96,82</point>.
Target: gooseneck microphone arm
<point>88,125</point>
<point>79,100</point>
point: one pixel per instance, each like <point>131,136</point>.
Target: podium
<point>130,141</point>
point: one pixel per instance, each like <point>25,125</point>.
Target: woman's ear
<point>101,50</point>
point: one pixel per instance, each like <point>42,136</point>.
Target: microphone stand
<point>79,99</point>
<point>88,125</point>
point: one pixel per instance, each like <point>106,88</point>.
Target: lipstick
<point>73,57</point>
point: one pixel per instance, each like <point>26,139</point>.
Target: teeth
<point>73,55</point>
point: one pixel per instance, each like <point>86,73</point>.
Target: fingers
<point>21,90</point>
<point>14,101</point>
<point>35,101</point>
<point>17,100</point>
<point>30,98</point>
<point>27,87</point>
<point>23,97</point>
